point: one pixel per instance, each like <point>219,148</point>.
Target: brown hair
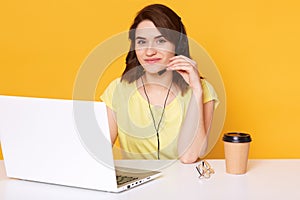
<point>170,25</point>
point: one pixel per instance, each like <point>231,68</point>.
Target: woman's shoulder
<point>119,81</point>
<point>115,90</point>
<point>207,85</point>
<point>209,92</point>
<point>116,81</point>
<point>120,85</point>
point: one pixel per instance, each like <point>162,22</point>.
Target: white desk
<point>265,179</point>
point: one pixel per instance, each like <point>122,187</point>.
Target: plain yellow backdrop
<point>255,45</point>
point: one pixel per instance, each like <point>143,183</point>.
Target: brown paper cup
<point>236,147</point>
<point>236,157</point>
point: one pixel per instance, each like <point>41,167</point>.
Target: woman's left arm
<point>193,138</point>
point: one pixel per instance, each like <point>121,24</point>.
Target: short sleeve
<point>108,94</point>
<point>209,93</point>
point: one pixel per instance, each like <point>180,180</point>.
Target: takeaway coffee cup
<point>236,147</point>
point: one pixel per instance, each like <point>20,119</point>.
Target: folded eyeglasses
<point>204,169</point>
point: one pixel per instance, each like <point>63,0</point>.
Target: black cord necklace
<point>152,116</point>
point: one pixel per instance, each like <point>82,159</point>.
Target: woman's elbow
<point>188,159</point>
<point>193,157</point>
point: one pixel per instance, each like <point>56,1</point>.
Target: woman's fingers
<point>187,68</point>
<point>180,67</point>
<point>182,63</point>
<point>183,60</point>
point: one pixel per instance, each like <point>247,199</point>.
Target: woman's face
<point>153,50</point>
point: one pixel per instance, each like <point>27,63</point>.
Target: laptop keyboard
<point>125,179</point>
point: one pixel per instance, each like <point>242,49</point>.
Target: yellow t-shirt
<point>136,132</point>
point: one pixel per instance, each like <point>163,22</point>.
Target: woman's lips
<point>152,60</point>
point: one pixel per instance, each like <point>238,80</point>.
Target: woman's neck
<point>164,79</point>
<point>156,87</point>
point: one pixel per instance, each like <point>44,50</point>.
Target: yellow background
<point>255,45</point>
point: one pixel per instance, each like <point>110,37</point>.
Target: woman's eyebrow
<point>143,38</point>
<point>159,36</point>
<point>140,38</point>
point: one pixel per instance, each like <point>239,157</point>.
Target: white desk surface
<point>265,179</point>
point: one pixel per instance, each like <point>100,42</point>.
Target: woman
<point>160,108</point>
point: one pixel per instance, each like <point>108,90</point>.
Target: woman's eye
<point>161,41</point>
<point>140,42</point>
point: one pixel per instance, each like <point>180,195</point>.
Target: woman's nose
<point>150,50</point>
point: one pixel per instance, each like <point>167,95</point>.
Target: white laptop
<point>64,142</point>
